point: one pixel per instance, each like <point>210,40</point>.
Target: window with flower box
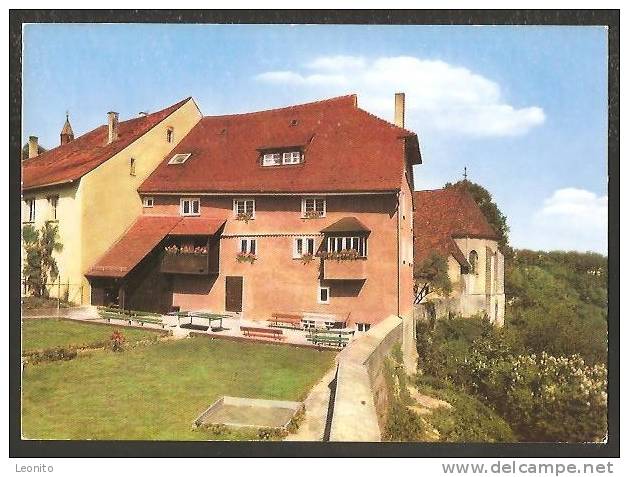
<point>313,207</point>
<point>303,246</point>
<point>245,209</point>
<point>339,244</point>
<point>247,245</point>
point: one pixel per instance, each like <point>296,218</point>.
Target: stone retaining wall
<point>361,398</point>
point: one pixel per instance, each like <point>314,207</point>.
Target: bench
<point>329,337</point>
<point>286,320</point>
<point>262,332</point>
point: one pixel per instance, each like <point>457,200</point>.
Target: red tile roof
<point>443,214</point>
<point>345,149</point>
<point>143,236</point>
<point>197,226</point>
<point>73,160</point>
<point>346,224</point>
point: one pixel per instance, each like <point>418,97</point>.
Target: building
<point>304,210</point>
<point>88,185</point>
<point>450,223</point>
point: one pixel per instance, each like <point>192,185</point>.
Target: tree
<point>40,264</point>
<point>489,208</point>
<point>432,276</point>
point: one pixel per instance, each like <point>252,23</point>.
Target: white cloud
<point>570,219</point>
<point>580,206</point>
<point>439,95</point>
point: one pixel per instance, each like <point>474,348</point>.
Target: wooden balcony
<point>186,264</point>
<point>345,269</point>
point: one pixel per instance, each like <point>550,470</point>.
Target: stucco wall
<point>110,202</point>
<point>277,282</point>
<point>68,223</point>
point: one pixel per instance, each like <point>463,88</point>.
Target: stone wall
<point>361,398</point>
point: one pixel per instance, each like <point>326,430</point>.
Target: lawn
<point>156,391</point>
<point>42,333</point>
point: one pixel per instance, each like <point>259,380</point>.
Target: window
<point>245,207</point>
<point>52,201</point>
<point>323,295</point>
<point>272,159</point>
<point>363,326</point>
<point>179,159</point>
<point>303,246</point>
<point>313,207</point>
<point>30,203</point>
<point>190,207</point>
<point>148,202</point>
<point>337,244</point>
<point>132,166</point>
<point>473,259</point>
<point>170,135</point>
<point>248,245</point>
<point>292,157</point>
<point>281,158</point>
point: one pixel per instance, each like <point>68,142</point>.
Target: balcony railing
<point>345,269</point>
<point>186,263</point>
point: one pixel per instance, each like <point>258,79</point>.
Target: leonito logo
<point>34,469</point>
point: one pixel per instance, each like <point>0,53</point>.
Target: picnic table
<point>210,317</point>
<point>129,316</point>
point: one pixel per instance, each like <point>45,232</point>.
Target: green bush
<point>542,397</point>
<point>271,433</point>
<point>469,420</point>
<point>52,354</point>
<point>545,398</point>
<point>403,424</point>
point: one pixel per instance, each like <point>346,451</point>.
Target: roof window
<point>178,158</point>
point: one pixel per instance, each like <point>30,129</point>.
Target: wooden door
<point>233,293</point>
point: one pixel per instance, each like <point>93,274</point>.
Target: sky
<point>524,109</point>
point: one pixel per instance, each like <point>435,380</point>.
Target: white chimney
<point>112,123</point>
<point>33,149</point>
<point>399,110</point>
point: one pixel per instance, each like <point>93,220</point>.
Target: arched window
<point>473,259</point>
<point>170,135</point>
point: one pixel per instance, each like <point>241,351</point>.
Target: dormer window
<point>170,135</point>
<point>292,157</point>
<point>272,159</point>
<point>282,158</point>
<point>179,159</point>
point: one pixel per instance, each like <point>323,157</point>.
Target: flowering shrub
<point>312,214</point>
<point>117,340</point>
<point>244,216</point>
<point>350,254</point>
<point>307,258</point>
<point>545,398</point>
<point>186,249</point>
<point>246,257</point>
